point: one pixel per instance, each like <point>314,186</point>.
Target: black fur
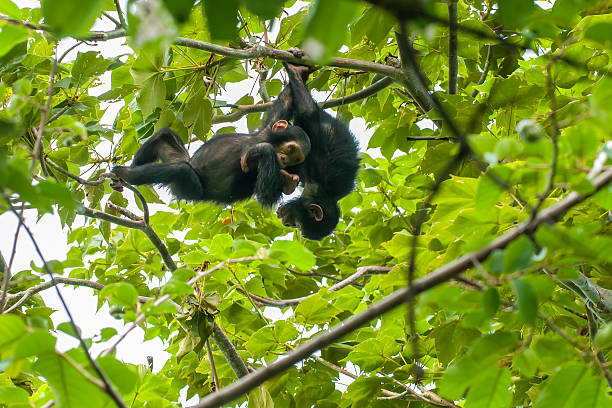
<point>330,170</point>
<point>214,172</point>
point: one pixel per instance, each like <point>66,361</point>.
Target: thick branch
<point>281,55</point>
<point>397,298</point>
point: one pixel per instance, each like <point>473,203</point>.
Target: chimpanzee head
<point>291,143</point>
<point>315,217</point>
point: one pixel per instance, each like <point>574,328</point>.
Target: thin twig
<point>485,69</point>
<point>37,150</point>
<point>453,43</point>
<point>554,137</point>
<point>121,18</point>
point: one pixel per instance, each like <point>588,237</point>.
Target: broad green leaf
<point>515,13</point>
<point>526,362</point>
<point>180,9</point>
<point>222,18</point>
<point>119,373</point>
<point>260,398</point>
<point>321,37</point>
<point>87,65</point>
<point>518,255</point>
<point>10,9</point>
<point>527,301</point>
<point>490,302</point>
<point>266,9</point>
<point>492,389</point>
<point>573,386</point>
<point>64,378</point>
<point>13,395</point>
<point>122,293</point>
<point>11,330</point>
<point>293,253</point>
<point>69,17</point>
<point>35,343</point>
<point>11,36</point>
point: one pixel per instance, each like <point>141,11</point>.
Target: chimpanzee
<point>330,170</point>
<point>228,167</point>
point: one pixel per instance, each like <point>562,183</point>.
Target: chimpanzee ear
<point>315,211</point>
<point>281,124</point>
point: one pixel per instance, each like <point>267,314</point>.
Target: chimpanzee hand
<point>243,162</point>
<point>290,181</point>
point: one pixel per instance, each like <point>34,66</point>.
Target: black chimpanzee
<point>330,170</point>
<point>229,167</point>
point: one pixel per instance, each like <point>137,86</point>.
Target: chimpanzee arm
<point>269,183</point>
<point>303,104</point>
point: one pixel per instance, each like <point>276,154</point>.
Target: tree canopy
<point>471,264</point>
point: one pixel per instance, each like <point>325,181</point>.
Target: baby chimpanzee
<point>229,167</point>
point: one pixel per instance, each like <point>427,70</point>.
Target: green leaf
<point>152,95</point>
<point>321,37</point>
<point>260,398</point>
<point>515,13</point>
<point>527,301</point>
<point>600,32</point>
<point>573,386</point>
<point>222,18</point>
<point>180,9</point>
<point>294,253</point>
<point>526,362</point>
<point>64,378</point>
<point>518,255</point>
<point>119,373</point>
<point>87,65</point>
<point>11,330</point>
<point>122,293</point>
<point>266,9</point>
<point>70,17</point>
<point>13,395</point>
<point>491,389</point>
<point>490,302</point>
<point>11,36</point>
<point>7,7</point>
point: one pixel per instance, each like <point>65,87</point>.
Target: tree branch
<point>397,298</point>
<point>242,110</point>
<point>260,51</point>
<point>28,293</point>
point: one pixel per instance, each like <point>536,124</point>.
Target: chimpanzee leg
<point>164,145</point>
<point>179,176</point>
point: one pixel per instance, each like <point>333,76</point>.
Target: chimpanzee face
<point>296,146</point>
<point>289,154</point>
